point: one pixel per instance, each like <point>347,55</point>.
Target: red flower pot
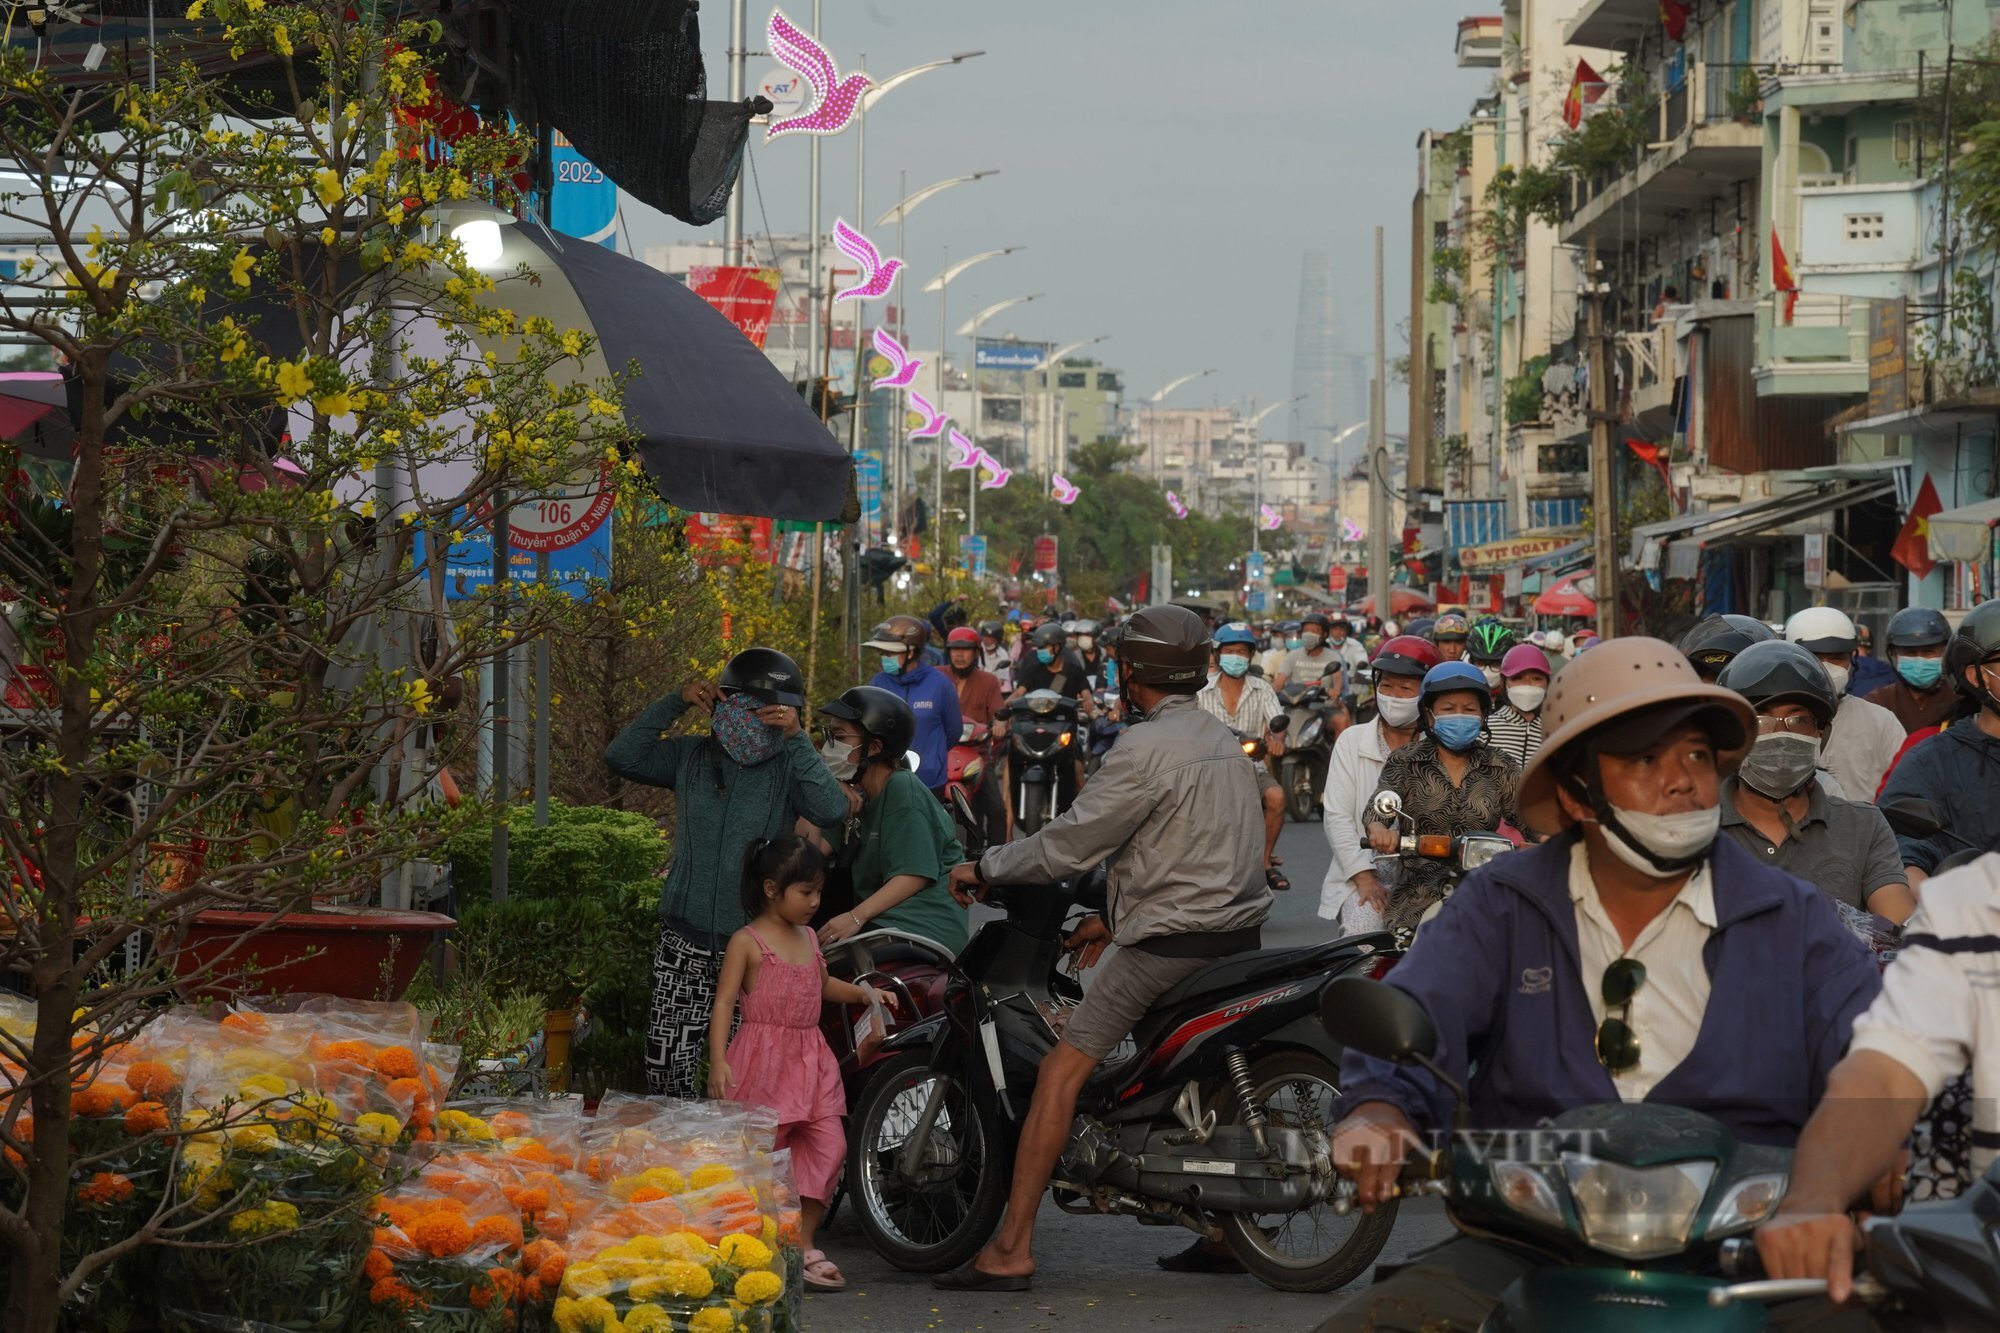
<point>360,953</point>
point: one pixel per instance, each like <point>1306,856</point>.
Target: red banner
<point>1045,554</point>
<point>1336,579</point>
<point>711,532</point>
<point>745,295</point>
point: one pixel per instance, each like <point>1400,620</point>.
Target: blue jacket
<point>1869,674</point>
<point>1956,771</point>
<point>1498,972</point>
<point>934,699</point>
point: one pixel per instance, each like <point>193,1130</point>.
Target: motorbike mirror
<point>1912,817</point>
<point>1387,806</point>
<point>1377,1019</point>
<point>911,761</point>
<point>969,821</point>
<point>1280,723</point>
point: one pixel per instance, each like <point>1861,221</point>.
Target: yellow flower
<point>263,1087</point>
<point>293,382</point>
<point>378,1128</point>
<point>686,1245</point>
<point>418,695</point>
<point>281,40</point>
<point>572,343</point>
<point>744,1252</point>
<point>759,1288</point>
<point>712,1319</point>
<point>450,1124</point>
<point>334,404</point>
<point>327,236</point>
<point>240,266</point>
<point>685,1279</point>
<point>326,186</point>
<point>254,1138</point>
<point>715,1173</point>
<point>271,1215</point>
<point>592,1314</point>
<point>586,1279</point>
<point>195,9</point>
<point>648,1318</point>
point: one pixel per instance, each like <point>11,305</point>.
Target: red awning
<point>1403,600</point>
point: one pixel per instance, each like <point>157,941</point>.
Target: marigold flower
<point>251,1023</point>
<point>377,1265</point>
<point>393,1291</point>
<point>529,1150</point>
<point>532,1292</point>
<point>586,1279</point>
<point>498,1289</point>
<point>398,1062</point>
<point>648,1318</point>
<point>96,1100</point>
<point>146,1118</point>
<point>151,1080</point>
<point>352,1052</point>
<point>376,1127</point>
<point>759,1288</point>
<point>648,1194</point>
<point>441,1234</point>
<point>715,1173</point>
<point>529,1201</point>
<point>103,1189</point>
<point>497,1230</point>
<point>712,1319</point>
<point>744,1252</point>
<point>509,1124</point>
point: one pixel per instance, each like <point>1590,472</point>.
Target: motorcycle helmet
<point>1049,636</point>
<point>1977,639</point>
<point>899,634</point>
<point>1489,641</point>
<point>1450,627</point>
<point>1770,673</point>
<point>964,636</point>
<point>1717,638</point>
<point>1454,678</point>
<point>1319,618</point>
<point>1165,647</point>
<point>882,716</point>
<point>1917,627</point>
<point>1422,627</point>
<point>1523,657</point>
<point>1290,627</point>
<point>1236,631</point>
<point>766,675</point>
<point>1408,655</point>
<point>1822,629</point>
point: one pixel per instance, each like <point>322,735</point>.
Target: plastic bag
<point>447,1258</point>
<point>871,1029</point>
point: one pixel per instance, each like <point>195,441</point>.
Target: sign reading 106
<point>564,517</point>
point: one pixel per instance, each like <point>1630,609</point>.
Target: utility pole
<point>812,231</point>
<point>1603,492</point>
<point>1378,456</point>
<point>732,227</point>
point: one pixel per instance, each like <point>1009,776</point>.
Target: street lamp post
<point>1153,416</point>
<point>899,215</point>
<point>941,284</point>
<point>1059,443</point>
<point>1257,469</point>
<point>971,327</point>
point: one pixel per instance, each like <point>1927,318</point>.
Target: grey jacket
<point>1177,809</point>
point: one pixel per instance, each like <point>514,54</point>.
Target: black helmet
<point>989,629</point>
<point>765,674</point>
<point>1715,639</point>
<point>881,714</point>
<point>1490,641</point>
<point>1777,672</point>
<point>900,634</point>
<point>1422,627</point>
<point>1977,639</point>
<point>1319,618</point>
<point>1050,635</point>
<point>1164,646</point>
<point>1918,627</point>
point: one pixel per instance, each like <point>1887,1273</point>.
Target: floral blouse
<point>1480,804</point>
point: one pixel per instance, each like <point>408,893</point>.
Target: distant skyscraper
<point>1316,358</point>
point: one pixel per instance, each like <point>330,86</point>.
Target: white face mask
<point>1527,698</point>
<point>1313,641</point>
<point>840,758</point>
<point>1676,842</point>
<point>1492,677</point>
<point>1840,676</point>
<point>1085,642</point>
<point>1397,712</point>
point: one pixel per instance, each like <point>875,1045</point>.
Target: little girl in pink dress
<point>779,1058</point>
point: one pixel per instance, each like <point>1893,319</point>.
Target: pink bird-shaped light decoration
<point>965,455</point>
<point>1060,488</point>
<point>1269,519</point>
<point>933,420</point>
<point>1350,530</point>
<point>1178,505</point>
<point>877,274</point>
<point>997,476</point>
<point>902,366</point>
<point>834,98</point>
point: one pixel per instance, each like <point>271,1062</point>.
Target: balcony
<point>1824,350</point>
<point>1699,146</point>
<point>1609,24</point>
<point>1479,42</point>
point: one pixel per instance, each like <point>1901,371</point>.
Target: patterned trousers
<point>684,978</point>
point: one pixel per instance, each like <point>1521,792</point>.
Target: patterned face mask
<point>742,737</point>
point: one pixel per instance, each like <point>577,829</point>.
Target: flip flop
<point>1276,879</point>
<point>971,1278</point>
<point>816,1280</point>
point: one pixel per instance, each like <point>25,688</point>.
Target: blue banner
<point>1473,522</point>
<point>469,563</point>
<point>585,201</point>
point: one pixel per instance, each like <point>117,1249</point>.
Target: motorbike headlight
<point>1477,851</point>
<point>1637,1212</point>
<point>1527,1190</point>
<point>1066,738</point>
<point>1310,733</point>
<point>1748,1202</point>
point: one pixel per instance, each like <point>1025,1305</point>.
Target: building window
<point>1863,226</point>
<point>1073,379</point>
<point>1904,137</point>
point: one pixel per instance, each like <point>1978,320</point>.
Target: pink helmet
<point>1523,657</point>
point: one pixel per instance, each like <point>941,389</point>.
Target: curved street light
<point>971,326</point>
<point>1153,417</point>
<point>943,280</point>
<point>882,89</point>
<point>910,201</point>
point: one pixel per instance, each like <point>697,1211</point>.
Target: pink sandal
<point>821,1274</point>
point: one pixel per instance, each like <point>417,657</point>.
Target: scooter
<point>1041,739</point>
<point>1462,853</point>
<point>1913,817</point>
<point>1213,1117</point>
<point>1631,1202</point>
<point>1105,728</point>
<point>967,770</point>
<point>1309,747</point>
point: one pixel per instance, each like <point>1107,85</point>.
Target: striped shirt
<point>1255,707</point>
<point>1515,734</point>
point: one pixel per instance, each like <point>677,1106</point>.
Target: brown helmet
<point>1164,646</point>
<point>899,634</point>
<point>1620,697</point>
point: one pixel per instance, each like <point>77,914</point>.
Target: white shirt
<point>1255,707</point>
<point>1307,667</point>
<point>1272,660</point>
<point>1862,745</point>
<point>1665,1014</point>
<point>1352,776</point>
<point>1940,999</point>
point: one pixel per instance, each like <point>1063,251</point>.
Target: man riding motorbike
<point>1865,736</point>
<point>1955,769</point>
<point>1629,925</point>
<point>1247,706</point>
<point>932,697</point>
<point>1176,809</point>
<point>1919,695</point>
<point>1317,661</point>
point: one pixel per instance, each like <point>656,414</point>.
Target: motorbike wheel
<point>1314,1249</point>
<point>933,1215</point>
<point>1295,776</point>
<point>1034,811</point>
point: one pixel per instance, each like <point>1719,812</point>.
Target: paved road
<point>1098,1272</point>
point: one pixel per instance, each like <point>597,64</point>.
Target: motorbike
<point>1463,852</point>
<point>1913,817</point>
<point>1041,740</point>
<point>1309,711</point>
<point>967,771</point>
<point>1105,728</point>
<point>1212,1117</point>
<point>1631,1202</point>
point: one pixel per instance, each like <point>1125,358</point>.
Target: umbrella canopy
<point>721,429</point>
<point>1402,601</point>
<point>1565,599</point>
<point>26,396</point>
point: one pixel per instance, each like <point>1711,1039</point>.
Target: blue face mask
<point>1295,642</point>
<point>1457,733</point>
<point>1235,665</point>
<point>1922,673</point>
<point>892,664</point>
<point>1045,655</point>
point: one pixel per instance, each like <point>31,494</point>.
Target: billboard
<point>584,202</point>
<point>1009,356</point>
<point>745,295</point>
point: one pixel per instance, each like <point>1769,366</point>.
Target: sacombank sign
<point>1010,356</point>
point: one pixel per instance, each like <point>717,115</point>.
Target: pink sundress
<point>778,1056</point>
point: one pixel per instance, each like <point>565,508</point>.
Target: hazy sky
<point>1165,162</point>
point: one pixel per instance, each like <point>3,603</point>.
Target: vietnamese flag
<point>1913,544</point>
<point>1674,18</point>
<point>1782,277</point>
<point>1584,90</point>
<point>1655,457</point>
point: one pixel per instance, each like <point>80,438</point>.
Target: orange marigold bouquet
<point>445,1259</point>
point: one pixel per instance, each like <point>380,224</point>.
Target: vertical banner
<point>745,295</point>
<point>584,202</point>
<point>972,554</point>
<point>1045,554</point>
<point>868,488</point>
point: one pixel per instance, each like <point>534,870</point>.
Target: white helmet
<point>1389,629</point>
<point>1822,629</point>
<point>1554,641</point>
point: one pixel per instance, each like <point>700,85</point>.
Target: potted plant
<point>1746,99</point>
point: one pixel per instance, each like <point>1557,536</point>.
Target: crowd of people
<point>1686,812</point>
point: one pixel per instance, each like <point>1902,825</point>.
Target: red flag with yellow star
<point>1913,544</point>
<point>1584,89</point>
<point>1674,16</point>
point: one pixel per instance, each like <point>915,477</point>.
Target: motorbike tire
<point>1034,811</point>
<point>969,1169</point>
<point>1295,776</point>
<point>1251,1243</point>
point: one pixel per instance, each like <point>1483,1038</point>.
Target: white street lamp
<point>1059,435</point>
<point>910,202</point>
<point>941,284</point>
<point>1153,417</point>
<point>972,327</point>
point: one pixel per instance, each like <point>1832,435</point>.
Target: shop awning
<point>1684,555</point>
<point>1965,533</point>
